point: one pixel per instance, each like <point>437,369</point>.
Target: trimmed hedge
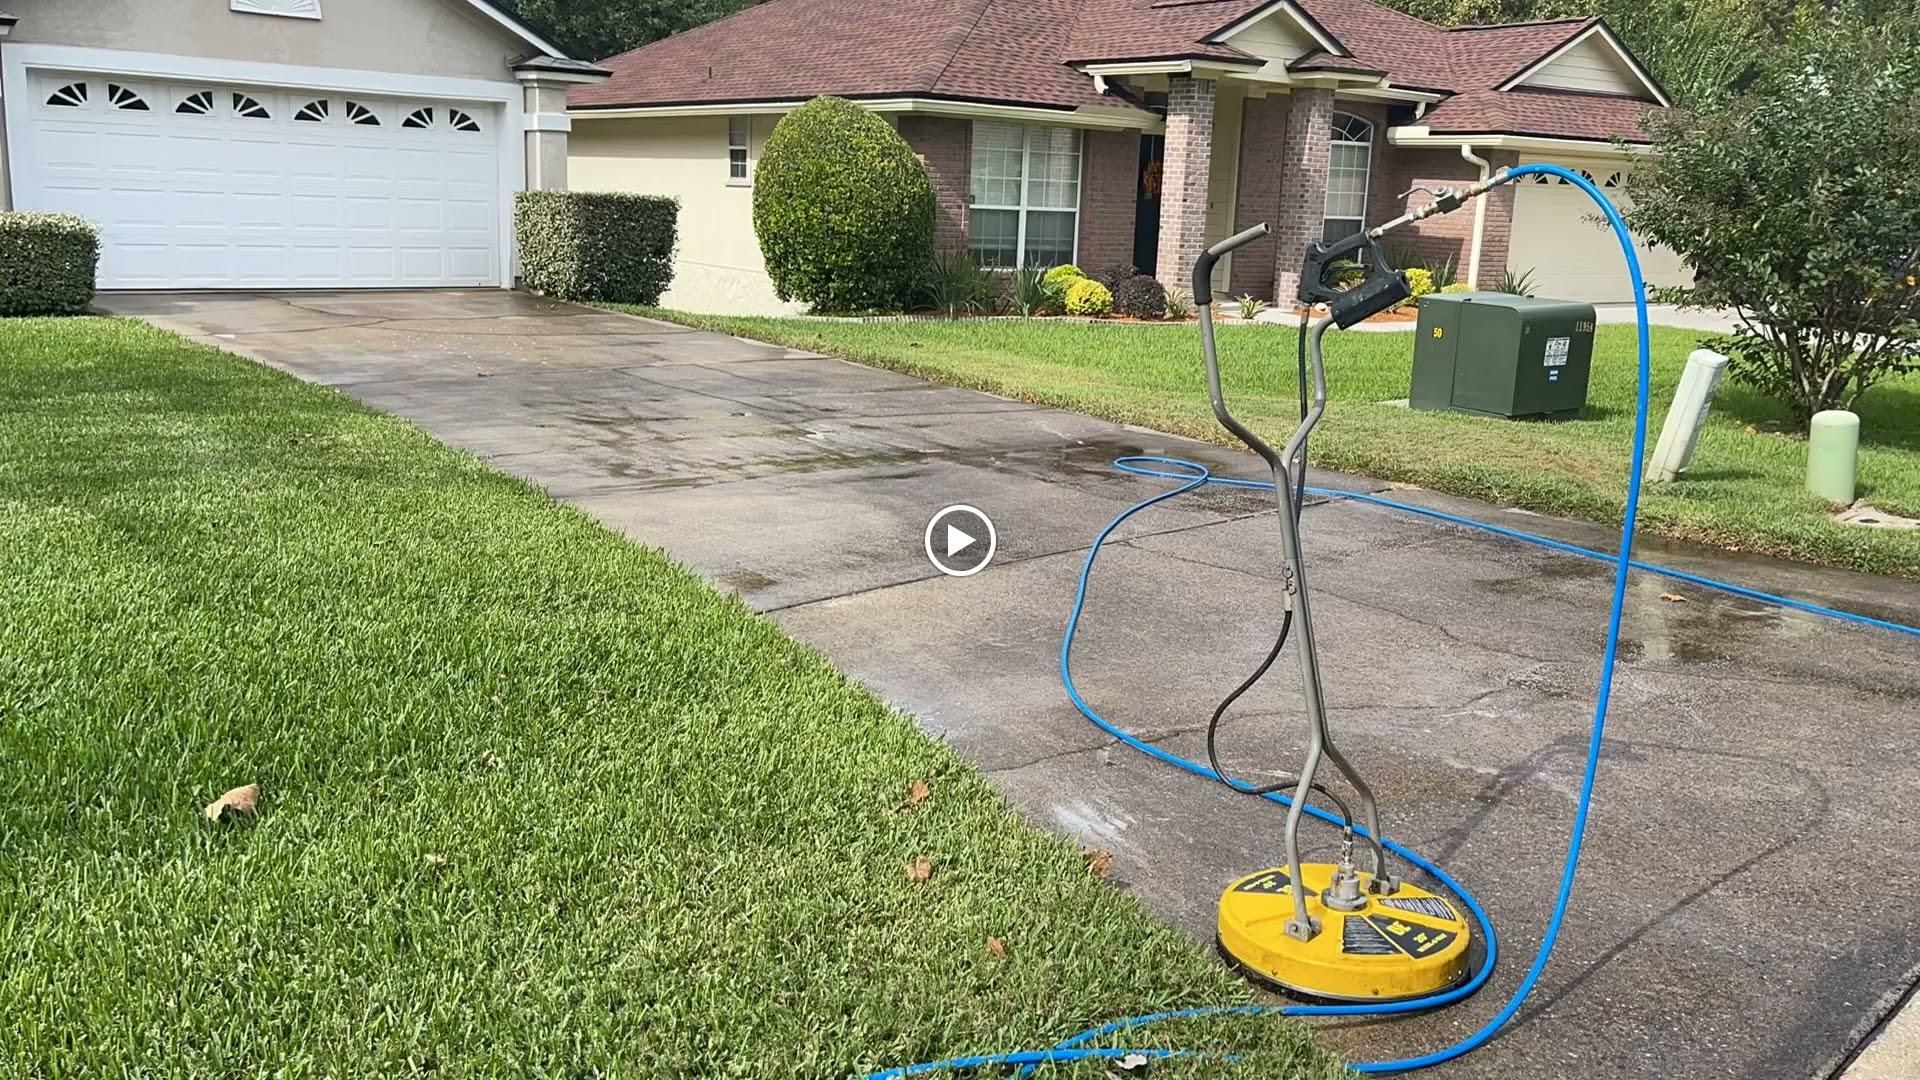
<point>596,245</point>
<point>48,264</point>
<point>1089,297</point>
<point>843,210</point>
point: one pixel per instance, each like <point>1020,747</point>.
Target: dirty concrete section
<point>1750,889</point>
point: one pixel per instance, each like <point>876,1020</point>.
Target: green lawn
<point>1744,491</point>
<point>536,801</point>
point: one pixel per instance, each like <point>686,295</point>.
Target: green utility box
<point>1496,354</point>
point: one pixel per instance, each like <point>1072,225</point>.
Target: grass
<point>537,802</point>
<point>1744,491</point>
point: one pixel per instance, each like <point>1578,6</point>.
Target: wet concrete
<point>1750,890</point>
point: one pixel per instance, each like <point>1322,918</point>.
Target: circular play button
<point>961,541</point>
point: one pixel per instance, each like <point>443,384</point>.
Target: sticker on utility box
<point>1557,350</point>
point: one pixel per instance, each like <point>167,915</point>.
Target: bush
<point>596,245</point>
<point>1058,281</point>
<point>1456,287</point>
<point>48,264</point>
<point>1029,292</point>
<point>843,209</point>
<point>1089,297</point>
<point>1117,273</point>
<point>956,284</point>
<point>1141,297</point>
<point>1179,304</point>
<point>1520,284</point>
<point>1794,203</point>
<point>1421,281</point>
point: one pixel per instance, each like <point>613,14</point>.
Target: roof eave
<point>1417,136</point>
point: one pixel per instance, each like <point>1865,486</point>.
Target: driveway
<point>1751,888</point>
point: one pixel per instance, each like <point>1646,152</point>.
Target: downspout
<point>1479,215</point>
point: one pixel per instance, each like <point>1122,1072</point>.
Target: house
<point>1104,131</point>
<point>283,143</point>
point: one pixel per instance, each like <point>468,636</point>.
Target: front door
<point>1146,205</point>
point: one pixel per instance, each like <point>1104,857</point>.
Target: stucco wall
<point>422,37</point>
<point>718,268</point>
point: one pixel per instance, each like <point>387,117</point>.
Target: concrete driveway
<point>1751,887</point>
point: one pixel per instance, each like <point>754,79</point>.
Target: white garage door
<point>1559,237</point>
<point>203,185</point>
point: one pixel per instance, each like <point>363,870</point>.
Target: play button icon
<point>961,541</point>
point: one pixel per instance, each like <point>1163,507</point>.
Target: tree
<point>843,209</point>
<point>597,29</point>
<point>1797,203</point>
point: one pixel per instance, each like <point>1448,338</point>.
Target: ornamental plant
<point>1089,297</point>
<point>843,210</point>
<point>1058,281</point>
<point>1797,204</point>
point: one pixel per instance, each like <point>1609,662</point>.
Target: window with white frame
<point>1026,195</point>
<point>1349,161</point>
<point>739,134</point>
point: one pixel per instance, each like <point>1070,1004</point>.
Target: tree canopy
<point>597,29</point>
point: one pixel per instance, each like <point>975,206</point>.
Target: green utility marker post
<point>1833,455</point>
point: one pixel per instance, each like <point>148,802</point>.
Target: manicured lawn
<point>1744,491</point>
<point>536,801</point>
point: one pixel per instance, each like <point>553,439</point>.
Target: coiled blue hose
<point>1196,476</point>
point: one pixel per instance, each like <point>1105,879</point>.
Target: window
<point>249,108</point>
<point>418,118</point>
<point>124,99</point>
<point>1349,161</point>
<point>361,115</point>
<point>314,112</point>
<point>1026,195</point>
<point>71,96</point>
<point>739,136</point>
<point>199,103</point>
<point>460,121</point>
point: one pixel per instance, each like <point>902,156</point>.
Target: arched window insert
<point>1349,164</point>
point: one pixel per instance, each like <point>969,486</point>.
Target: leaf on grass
<point>996,946</point>
<point>241,800</point>
<point>917,792</point>
<point>434,861</point>
<point>920,869</point>
<point>1100,862</point>
<point>1751,430</point>
<point>1673,598</point>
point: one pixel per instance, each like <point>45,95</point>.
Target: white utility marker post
<point>1705,370</point>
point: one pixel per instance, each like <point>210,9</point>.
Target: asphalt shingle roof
<point>1021,52</point>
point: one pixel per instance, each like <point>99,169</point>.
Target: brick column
<point>1263,138</point>
<point>1109,191</point>
<point>1303,191</point>
<point>1183,179</point>
<point>1499,232</point>
<point>945,148</point>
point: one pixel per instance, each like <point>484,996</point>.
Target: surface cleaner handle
<point>1203,269</point>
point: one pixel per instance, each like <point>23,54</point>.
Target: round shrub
<point>843,209</point>
<point>1089,297</point>
<point>1458,286</point>
<point>1421,280</point>
<point>1058,281</point>
<point>1116,273</point>
<point>1141,297</point>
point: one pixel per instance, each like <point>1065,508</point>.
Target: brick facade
<point>1183,179</point>
<point>945,147</point>
<point>1449,236</point>
<point>1109,191</point>
<point>1263,133</point>
<point>1303,190</point>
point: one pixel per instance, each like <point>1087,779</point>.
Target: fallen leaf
<point>1100,862</point>
<point>1673,598</point>
<point>996,946</point>
<point>241,800</point>
<point>1751,430</point>
<point>920,869</point>
<point>434,861</point>
<point>917,792</point>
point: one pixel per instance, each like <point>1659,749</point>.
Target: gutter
<point>1479,215</point>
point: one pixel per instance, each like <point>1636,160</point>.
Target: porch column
<point>1303,189</point>
<point>1183,179</point>
<point>545,81</point>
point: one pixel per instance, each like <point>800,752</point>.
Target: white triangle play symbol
<point>957,541</point>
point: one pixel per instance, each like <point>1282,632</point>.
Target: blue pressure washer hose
<point>1196,476</point>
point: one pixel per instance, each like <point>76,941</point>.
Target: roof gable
<point>1279,34</point>
<point>1593,61</point>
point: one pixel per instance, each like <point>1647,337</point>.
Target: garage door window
<point>198,103</point>
<point>71,96</point>
<point>125,100</point>
<point>1349,162</point>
